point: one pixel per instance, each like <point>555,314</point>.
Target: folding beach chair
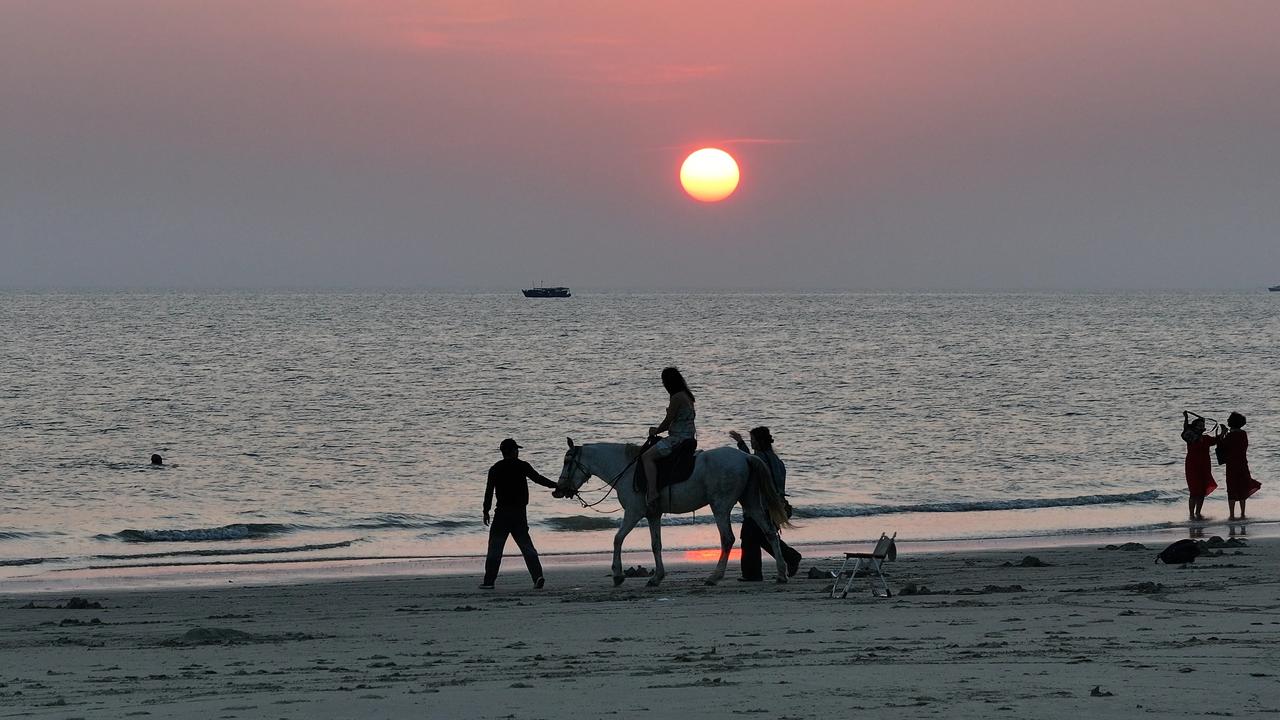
<point>884,551</point>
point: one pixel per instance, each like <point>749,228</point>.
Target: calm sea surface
<point>361,425</point>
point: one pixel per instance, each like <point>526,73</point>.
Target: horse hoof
<point>781,580</point>
<point>710,581</point>
<point>617,580</point>
<point>653,581</point>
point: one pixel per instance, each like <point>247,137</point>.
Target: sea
<point>336,433</point>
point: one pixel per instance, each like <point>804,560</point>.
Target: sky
<point>494,145</point>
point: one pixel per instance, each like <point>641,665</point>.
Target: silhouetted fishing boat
<point>1274,288</point>
<point>547,292</point>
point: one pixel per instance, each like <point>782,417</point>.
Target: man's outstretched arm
<point>534,476</point>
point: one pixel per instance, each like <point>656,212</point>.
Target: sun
<point>709,175</point>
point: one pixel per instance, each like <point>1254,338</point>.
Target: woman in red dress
<point>1199,466</point>
<point>1240,484</point>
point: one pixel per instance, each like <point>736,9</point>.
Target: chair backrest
<point>885,548</point>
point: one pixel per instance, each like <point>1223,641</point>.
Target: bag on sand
<point>1183,551</point>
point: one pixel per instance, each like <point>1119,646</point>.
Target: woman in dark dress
<point>1240,483</point>
<point>1199,465</point>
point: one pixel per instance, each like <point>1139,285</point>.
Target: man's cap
<point>509,444</point>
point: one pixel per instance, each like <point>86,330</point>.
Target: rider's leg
<point>649,458</point>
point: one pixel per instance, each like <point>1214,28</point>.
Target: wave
<point>238,531</point>
<point>227,551</point>
<point>579,523</point>
<point>576,523</point>
<point>588,523</point>
<point>393,521</point>
<point>19,535</point>
<point>984,505</point>
<point>21,561</point>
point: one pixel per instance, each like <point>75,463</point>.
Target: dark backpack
<point>1220,450</point>
<point>1183,551</point>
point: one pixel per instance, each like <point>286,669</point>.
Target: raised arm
<point>738,439</point>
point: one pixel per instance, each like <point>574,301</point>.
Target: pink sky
<point>486,144</point>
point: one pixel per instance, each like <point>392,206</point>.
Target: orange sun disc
<point>709,175</point>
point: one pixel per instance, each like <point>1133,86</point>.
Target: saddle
<point>672,469</point>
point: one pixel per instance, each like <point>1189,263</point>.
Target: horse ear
<point>570,443</point>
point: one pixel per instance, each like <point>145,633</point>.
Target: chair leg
<point>857,565</point>
<point>887,592</point>
<point>835,583</point>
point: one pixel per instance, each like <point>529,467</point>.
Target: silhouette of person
<point>156,459</point>
<point>507,480</point>
<point>678,425</point>
<point>1199,467</point>
<point>753,538</point>
<point>1240,482</point>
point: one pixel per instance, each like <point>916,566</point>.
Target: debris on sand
<point>1029,561</point>
<point>214,636</point>
<point>1144,588</point>
<point>75,603</point>
<point>228,636</point>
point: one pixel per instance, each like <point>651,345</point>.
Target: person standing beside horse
<point>753,536</point>
<point>678,424</point>
<point>507,480</point>
<point>1240,482</point>
<point>1199,466</point>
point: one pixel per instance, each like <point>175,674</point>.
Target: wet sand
<point>1091,630</point>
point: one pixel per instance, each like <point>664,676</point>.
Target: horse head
<point>573,474</point>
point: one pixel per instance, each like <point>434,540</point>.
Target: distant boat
<point>547,292</point>
<point>1274,288</point>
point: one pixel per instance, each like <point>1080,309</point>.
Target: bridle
<point>574,455</point>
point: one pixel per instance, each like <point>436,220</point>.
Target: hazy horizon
<point>394,144</point>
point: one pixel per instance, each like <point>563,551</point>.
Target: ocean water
<point>329,425</point>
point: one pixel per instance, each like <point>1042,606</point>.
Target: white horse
<point>721,478</point>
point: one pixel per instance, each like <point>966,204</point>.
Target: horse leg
<point>629,521</point>
<point>655,538</point>
<point>726,544</point>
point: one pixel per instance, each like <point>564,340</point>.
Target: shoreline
<point>1084,630</point>
<point>250,568</point>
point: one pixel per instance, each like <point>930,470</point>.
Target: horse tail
<point>760,476</point>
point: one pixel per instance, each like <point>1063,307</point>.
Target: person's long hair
<point>1235,421</point>
<point>763,438</point>
<point>674,382</point>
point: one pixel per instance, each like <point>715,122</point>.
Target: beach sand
<point>1003,641</point>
